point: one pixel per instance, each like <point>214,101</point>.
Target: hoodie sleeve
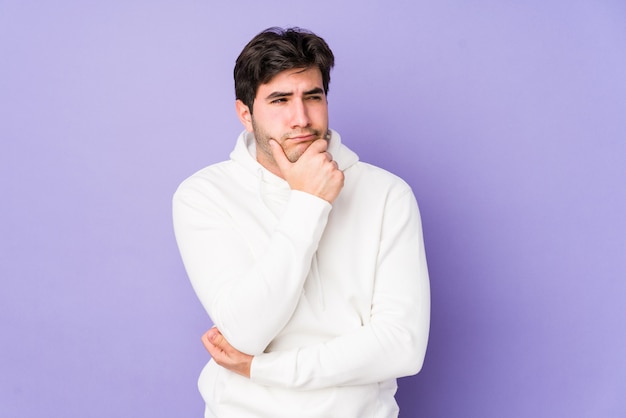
<point>249,297</point>
<point>393,343</point>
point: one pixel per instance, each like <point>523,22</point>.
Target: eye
<point>279,100</point>
<point>315,97</point>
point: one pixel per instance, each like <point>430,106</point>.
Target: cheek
<point>321,113</point>
<point>271,119</point>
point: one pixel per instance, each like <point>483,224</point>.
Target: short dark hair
<point>275,50</point>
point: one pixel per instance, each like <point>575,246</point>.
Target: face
<point>291,109</point>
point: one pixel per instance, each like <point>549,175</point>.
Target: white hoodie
<point>332,301</point>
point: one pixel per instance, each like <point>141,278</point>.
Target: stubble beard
<point>263,142</point>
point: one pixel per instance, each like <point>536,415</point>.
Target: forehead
<point>293,80</point>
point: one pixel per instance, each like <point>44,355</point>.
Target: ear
<point>244,114</point>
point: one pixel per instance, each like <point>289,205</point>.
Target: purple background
<point>508,120</point>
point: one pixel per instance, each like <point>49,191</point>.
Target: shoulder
<point>207,181</point>
<point>374,188</point>
<point>369,175</point>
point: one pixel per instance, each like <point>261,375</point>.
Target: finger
<point>209,338</point>
<point>281,159</point>
<point>218,340</point>
<point>206,342</point>
<point>215,352</point>
<point>318,146</point>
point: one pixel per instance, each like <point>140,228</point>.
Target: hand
<point>314,172</point>
<point>225,354</point>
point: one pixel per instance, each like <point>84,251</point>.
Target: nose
<point>299,114</point>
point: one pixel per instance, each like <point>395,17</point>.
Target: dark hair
<point>275,50</point>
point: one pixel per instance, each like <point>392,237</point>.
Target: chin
<point>293,157</point>
<point>295,153</point>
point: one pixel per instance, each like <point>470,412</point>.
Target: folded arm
<point>234,285</point>
<point>392,344</point>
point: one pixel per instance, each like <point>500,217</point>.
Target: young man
<point>309,262</point>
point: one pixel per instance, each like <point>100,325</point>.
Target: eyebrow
<point>280,94</point>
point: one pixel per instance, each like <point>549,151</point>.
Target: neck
<point>268,163</point>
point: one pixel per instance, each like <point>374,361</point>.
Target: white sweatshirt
<point>332,301</point>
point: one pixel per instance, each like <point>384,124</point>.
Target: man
<point>309,262</point>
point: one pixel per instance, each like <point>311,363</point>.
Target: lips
<point>303,138</point>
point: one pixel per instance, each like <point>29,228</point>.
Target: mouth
<point>307,137</point>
